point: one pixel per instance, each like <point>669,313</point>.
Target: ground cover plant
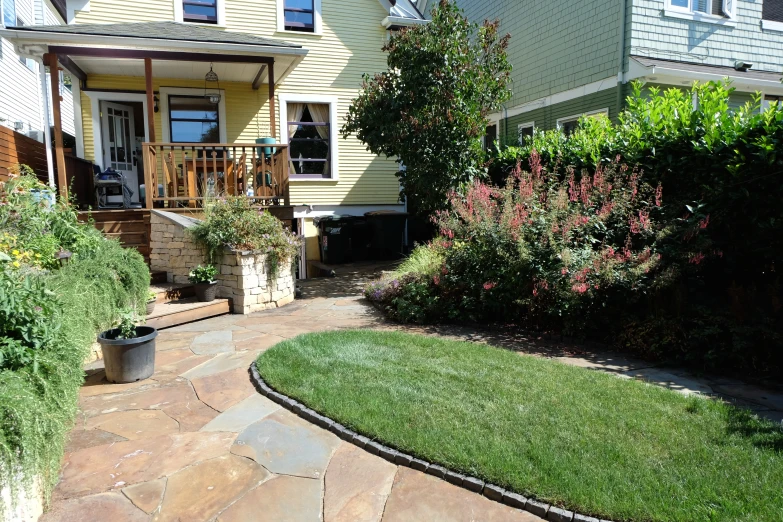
<point>232,222</point>
<point>614,448</point>
<point>50,313</point>
<point>660,234</point>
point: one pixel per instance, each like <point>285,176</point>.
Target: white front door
<point>119,142</point>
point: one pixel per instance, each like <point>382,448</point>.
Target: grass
<point>578,438</point>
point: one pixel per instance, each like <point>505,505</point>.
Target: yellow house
<point>176,94</point>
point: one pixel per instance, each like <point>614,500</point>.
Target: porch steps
<point>173,313</point>
<point>168,292</point>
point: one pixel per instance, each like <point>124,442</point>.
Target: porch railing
<point>186,174</point>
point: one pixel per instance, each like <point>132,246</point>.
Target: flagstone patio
<point>196,442</point>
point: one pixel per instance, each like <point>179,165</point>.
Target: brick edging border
<point>472,484</point>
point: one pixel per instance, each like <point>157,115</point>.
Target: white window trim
<point>769,25</point>
<point>179,14</point>
<point>317,25</point>
<point>96,97</point>
<point>165,122</point>
<point>689,13</point>
<point>523,126</point>
<point>575,117</point>
<point>283,100</point>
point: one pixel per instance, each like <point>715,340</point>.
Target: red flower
<point>489,286</point>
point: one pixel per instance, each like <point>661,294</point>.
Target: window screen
<point>772,10</point>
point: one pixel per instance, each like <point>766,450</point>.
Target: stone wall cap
<point>177,219</point>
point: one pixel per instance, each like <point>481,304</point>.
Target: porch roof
<point>175,48</point>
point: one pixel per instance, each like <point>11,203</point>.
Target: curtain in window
<point>295,111</point>
<point>320,113</point>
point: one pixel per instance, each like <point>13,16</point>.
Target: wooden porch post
<point>54,75</point>
<point>149,189</point>
<point>272,126</point>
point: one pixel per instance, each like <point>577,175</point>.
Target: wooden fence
<point>18,148</point>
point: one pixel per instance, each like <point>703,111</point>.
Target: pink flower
<point>436,280</point>
<point>580,288</point>
<point>704,222</point>
<point>658,195</point>
<point>697,258</point>
<point>489,285</point>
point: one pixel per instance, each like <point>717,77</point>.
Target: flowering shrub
<point>232,222</point>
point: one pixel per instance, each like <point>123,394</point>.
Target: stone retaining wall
<point>244,277</point>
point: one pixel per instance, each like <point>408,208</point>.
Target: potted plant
<point>152,298</point>
<point>128,350</point>
<point>204,282</point>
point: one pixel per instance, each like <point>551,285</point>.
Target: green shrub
<point>49,317</point>
<point>202,274</point>
<point>232,222</point>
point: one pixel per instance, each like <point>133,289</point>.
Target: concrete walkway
<point>196,442</point>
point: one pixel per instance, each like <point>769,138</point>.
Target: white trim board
<point>165,92</point>
<point>314,211</point>
<point>560,97</point>
<point>98,96</point>
<point>769,25</point>
<point>283,100</point>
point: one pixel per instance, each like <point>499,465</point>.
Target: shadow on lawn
<point>762,433</point>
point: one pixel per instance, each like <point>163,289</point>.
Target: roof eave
<point>394,22</point>
<point>24,38</point>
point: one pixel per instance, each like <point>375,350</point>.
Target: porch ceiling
<point>228,72</point>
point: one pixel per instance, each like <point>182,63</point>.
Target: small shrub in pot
<point>204,283</point>
<point>152,298</point>
<point>128,350</point>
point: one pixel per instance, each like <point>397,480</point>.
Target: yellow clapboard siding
<point>349,47</point>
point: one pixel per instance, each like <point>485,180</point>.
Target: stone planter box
<point>244,277</point>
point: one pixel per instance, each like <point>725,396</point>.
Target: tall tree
<point>429,109</point>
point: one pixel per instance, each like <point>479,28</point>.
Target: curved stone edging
<point>473,484</point>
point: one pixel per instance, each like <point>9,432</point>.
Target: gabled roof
<point>160,31</point>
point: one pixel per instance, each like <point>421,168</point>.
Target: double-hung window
<point>9,12</point>
<point>193,119</point>
<point>299,15</point>
<point>525,131</point>
<point>309,139</point>
<point>569,124</point>
<point>200,11</point>
<point>772,15</point>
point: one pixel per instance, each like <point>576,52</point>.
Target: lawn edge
<point>475,485</point>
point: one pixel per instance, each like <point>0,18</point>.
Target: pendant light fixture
<point>212,77</point>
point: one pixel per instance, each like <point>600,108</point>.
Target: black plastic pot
<point>128,360</point>
<point>205,292</point>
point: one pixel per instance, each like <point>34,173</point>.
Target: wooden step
<point>158,277</point>
<point>184,311</point>
<point>168,292</point>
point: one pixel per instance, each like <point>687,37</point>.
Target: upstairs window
<point>9,12</point>
<point>772,10</point>
<point>299,15</point>
<point>702,10</point>
<point>200,11</point>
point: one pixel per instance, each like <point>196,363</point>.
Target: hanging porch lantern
<point>212,77</point>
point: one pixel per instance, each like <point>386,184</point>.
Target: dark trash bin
<point>387,228</point>
<point>360,240</point>
<point>334,238</point>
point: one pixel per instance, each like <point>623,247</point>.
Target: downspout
<point>621,55</point>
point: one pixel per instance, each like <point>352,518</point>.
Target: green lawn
<point>578,438</point>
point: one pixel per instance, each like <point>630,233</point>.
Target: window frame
<point>690,13</point>
<point>193,120</point>
<point>576,117</point>
<point>220,7</point>
<point>334,153</point>
<point>317,23</point>
<point>523,126</point>
<point>165,110</point>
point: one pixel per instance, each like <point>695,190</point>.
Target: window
<point>569,124</point>
<point>309,139</point>
<point>299,15</point>
<point>713,11</point>
<point>27,62</point>
<point>9,12</point>
<point>201,11</point>
<point>770,100</point>
<point>772,15</point>
<point>490,136</point>
<point>525,131</point>
<point>193,119</point>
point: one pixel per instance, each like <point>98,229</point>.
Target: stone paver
<point>202,491</point>
<point>285,444</point>
<point>105,506</point>
<point>147,495</point>
<point>416,496</point>
<point>223,390</point>
<point>240,416</point>
<point>264,463</point>
<point>282,499</point>
<point>357,485</point>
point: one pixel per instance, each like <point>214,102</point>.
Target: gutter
<point>393,22</point>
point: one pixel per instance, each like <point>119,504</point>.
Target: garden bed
<point>575,438</point>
